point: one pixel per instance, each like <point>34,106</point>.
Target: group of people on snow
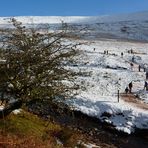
<point>129,88</point>
<point>130,85</point>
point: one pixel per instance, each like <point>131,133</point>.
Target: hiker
<point>130,87</point>
<point>133,58</point>
<point>131,50</point>
<point>139,67</point>
<point>126,90</point>
<point>144,69</point>
<point>145,85</point>
<point>146,75</point>
<point>131,66</point>
<point>122,54</point>
<point>94,49</point>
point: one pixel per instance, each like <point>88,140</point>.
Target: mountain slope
<point>125,26</point>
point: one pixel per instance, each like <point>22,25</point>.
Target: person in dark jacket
<point>126,90</point>
<point>133,59</point>
<point>145,85</point>
<point>146,75</point>
<point>130,87</point>
<point>139,67</point>
<point>131,66</point>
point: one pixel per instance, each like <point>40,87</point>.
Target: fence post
<point>118,95</point>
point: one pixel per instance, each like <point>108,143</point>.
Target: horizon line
<point>114,14</point>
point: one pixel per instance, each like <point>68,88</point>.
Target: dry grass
<point>15,141</point>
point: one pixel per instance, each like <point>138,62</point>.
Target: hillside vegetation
<point>27,130</point>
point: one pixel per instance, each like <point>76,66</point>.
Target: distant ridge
<point>133,26</point>
<point>77,19</point>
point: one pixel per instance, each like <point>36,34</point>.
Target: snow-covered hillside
<point>108,73</point>
<point>125,26</point>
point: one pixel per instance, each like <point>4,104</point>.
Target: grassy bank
<point>28,130</point>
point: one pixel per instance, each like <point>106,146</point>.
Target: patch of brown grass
<point>8,140</point>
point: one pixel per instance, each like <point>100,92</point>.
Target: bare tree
<point>36,63</point>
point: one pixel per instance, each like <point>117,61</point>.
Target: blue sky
<point>70,7</point>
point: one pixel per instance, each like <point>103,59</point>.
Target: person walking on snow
<point>146,75</point>
<point>130,87</point>
<point>145,85</point>
<point>131,66</point>
<point>139,67</point>
<point>133,58</point>
<point>126,90</point>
